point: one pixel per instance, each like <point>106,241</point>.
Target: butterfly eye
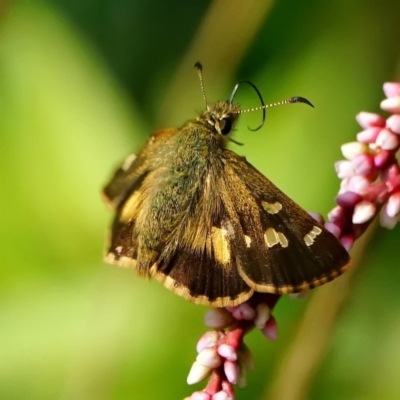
<point>225,126</point>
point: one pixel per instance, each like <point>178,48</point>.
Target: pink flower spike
<point>270,329</point>
<point>368,135</point>
<point>386,221</point>
<point>392,104</point>
<point>218,318</point>
<point>381,158</point>
<point>333,228</point>
<point>227,351</point>
<point>344,169</point>
<point>363,212</point>
<point>387,140</point>
<point>231,370</point>
<point>209,358</point>
<point>200,396</point>
<point>368,120</point>
<point>348,199</point>
<point>347,241</point>
<point>363,164</point>
<point>393,123</point>
<point>221,395</point>
<point>244,311</point>
<point>391,89</point>
<point>209,339</point>
<point>352,149</point>
<point>393,205</point>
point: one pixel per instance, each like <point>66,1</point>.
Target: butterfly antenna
<point>199,68</point>
<point>263,107</point>
<point>296,99</point>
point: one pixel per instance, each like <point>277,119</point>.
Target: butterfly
<point>202,220</point>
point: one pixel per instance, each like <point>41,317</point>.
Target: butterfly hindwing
<point>279,247</point>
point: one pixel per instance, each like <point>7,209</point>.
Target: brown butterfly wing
<point>279,248</point>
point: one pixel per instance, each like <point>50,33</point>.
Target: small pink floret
<point>391,89</point>
<point>387,140</point>
<point>368,120</point>
<point>200,396</point>
<point>227,351</point>
<point>368,135</point>
<point>393,205</point>
<point>393,123</point>
<point>270,329</point>
<point>392,104</point>
<point>231,370</point>
<point>363,212</point>
<point>222,395</point>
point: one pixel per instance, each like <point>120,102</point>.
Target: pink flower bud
<point>333,228</point>
<point>363,164</point>
<point>270,329</point>
<point>386,221</point>
<point>393,205</point>
<point>392,104</point>
<point>221,395</point>
<point>200,396</point>
<point>263,314</point>
<point>209,339</point>
<point>381,157</point>
<point>391,89</point>
<point>363,212</point>
<point>387,140</point>
<point>209,358</point>
<point>393,123</point>
<point>348,199</point>
<point>367,120</point>
<point>357,184</point>
<point>231,370</point>
<point>227,351</point>
<point>347,241</point>
<point>368,135</point>
<point>244,311</point>
<point>344,169</point>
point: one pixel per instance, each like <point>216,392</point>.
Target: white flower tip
<point>200,396</point>
<point>363,212</point>
<point>391,104</point>
<point>344,169</point>
<point>263,314</point>
<point>221,395</point>
<point>387,140</point>
<point>352,149</point>
<point>386,221</point>
<point>197,373</point>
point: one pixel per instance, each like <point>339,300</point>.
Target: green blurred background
<point>82,84</point>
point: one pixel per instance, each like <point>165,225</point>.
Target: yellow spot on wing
<point>309,238</point>
<point>220,245</point>
<point>130,208</point>
<point>272,237</point>
<point>272,208</point>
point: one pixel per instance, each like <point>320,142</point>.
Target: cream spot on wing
<point>309,238</point>
<point>272,237</point>
<point>118,250</point>
<point>248,240</point>
<point>129,209</point>
<point>128,161</point>
<point>220,245</point>
<point>272,208</point>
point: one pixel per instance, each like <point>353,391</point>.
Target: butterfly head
<point>220,117</point>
